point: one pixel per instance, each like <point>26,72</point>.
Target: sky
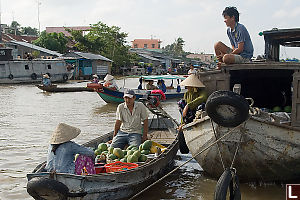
<point>199,22</point>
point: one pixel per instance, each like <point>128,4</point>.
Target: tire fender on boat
<point>227,108</point>
<point>182,143</point>
<point>33,76</point>
<point>65,77</point>
<point>40,186</point>
<point>10,76</point>
<point>228,180</point>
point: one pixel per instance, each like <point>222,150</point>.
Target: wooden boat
<point>115,185</point>
<point>116,96</point>
<point>268,142</point>
<point>54,88</point>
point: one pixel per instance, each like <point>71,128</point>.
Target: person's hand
<point>185,110</point>
<point>180,127</point>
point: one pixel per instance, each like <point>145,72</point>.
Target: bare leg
<point>220,49</point>
<point>228,59</point>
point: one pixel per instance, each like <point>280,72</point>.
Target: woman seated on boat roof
<point>110,82</point>
<point>194,98</point>
<point>46,80</point>
<point>95,79</point>
<point>62,151</point>
<point>150,86</point>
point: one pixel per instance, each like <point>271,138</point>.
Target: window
<point>153,45</point>
<point>49,66</point>
<point>26,67</point>
<point>145,46</point>
<point>135,46</point>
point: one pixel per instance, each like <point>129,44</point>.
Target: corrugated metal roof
<point>32,46</point>
<point>148,57</point>
<point>92,56</point>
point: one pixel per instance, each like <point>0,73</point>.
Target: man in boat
<point>110,82</point>
<point>128,127</point>
<point>46,80</point>
<point>193,98</point>
<point>150,86</point>
<point>242,48</point>
<point>192,70</point>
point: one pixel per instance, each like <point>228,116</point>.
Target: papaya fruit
<point>118,152</point>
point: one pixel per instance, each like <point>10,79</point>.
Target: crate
<point>119,166</point>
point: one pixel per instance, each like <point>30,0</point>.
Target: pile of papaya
<point>131,154</point>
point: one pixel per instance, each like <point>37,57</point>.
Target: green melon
<point>147,145</point>
<point>288,109</point>
<point>145,152</point>
<point>130,152</point>
<point>112,156</point>
<point>276,109</point>
<point>123,160</point>
<point>97,152</point>
<point>142,158</point>
<point>124,152</point>
<point>110,149</point>
<point>130,147</point>
<point>132,159</point>
<point>137,153</point>
<point>102,147</point>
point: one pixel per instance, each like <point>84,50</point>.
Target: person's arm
<point>117,127</point>
<point>145,132</point>
<point>240,48</point>
<point>78,149</point>
<point>196,102</point>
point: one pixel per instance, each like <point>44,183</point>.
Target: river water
<point>28,117</point>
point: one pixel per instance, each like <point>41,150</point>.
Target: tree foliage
<point>29,31</point>
<point>176,48</point>
<point>14,28</point>
<point>53,41</point>
<point>106,41</point>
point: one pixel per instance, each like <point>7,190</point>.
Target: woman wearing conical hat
<point>62,151</point>
<point>193,98</point>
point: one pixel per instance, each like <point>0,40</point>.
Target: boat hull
<point>267,152</point>
<point>114,96</point>
<point>54,88</point>
<point>122,184</point>
<point>31,71</point>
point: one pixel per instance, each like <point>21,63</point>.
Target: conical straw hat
<point>64,133</point>
<point>108,77</point>
<point>192,81</point>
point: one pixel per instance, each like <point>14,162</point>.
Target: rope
<point>136,195</point>
<point>236,150</point>
<point>221,157</point>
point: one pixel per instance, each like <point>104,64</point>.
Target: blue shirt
<point>238,35</point>
<point>46,82</point>
<point>63,161</point>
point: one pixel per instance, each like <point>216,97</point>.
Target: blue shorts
<point>122,139</point>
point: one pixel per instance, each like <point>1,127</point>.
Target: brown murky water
<point>28,116</point>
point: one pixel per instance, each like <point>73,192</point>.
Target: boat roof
<point>285,37</point>
<point>158,77</point>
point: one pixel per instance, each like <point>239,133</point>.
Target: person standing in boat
<point>192,70</point>
<point>110,82</point>
<point>62,151</point>
<point>46,80</point>
<point>129,117</point>
<point>242,47</point>
<point>193,98</point>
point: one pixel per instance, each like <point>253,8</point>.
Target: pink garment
<point>162,95</point>
<point>84,161</point>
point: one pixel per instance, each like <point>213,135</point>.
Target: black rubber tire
<point>38,187</point>
<point>182,144</point>
<point>11,77</point>
<point>227,180</point>
<point>33,76</point>
<point>227,108</point>
<point>65,77</point>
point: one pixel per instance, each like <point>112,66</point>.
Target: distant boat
<point>31,71</point>
<point>116,96</point>
<point>54,88</point>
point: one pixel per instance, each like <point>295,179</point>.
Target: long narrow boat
<point>116,96</point>
<point>113,185</point>
<point>266,147</point>
<point>54,88</point>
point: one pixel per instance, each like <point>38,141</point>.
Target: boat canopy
<point>158,77</point>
